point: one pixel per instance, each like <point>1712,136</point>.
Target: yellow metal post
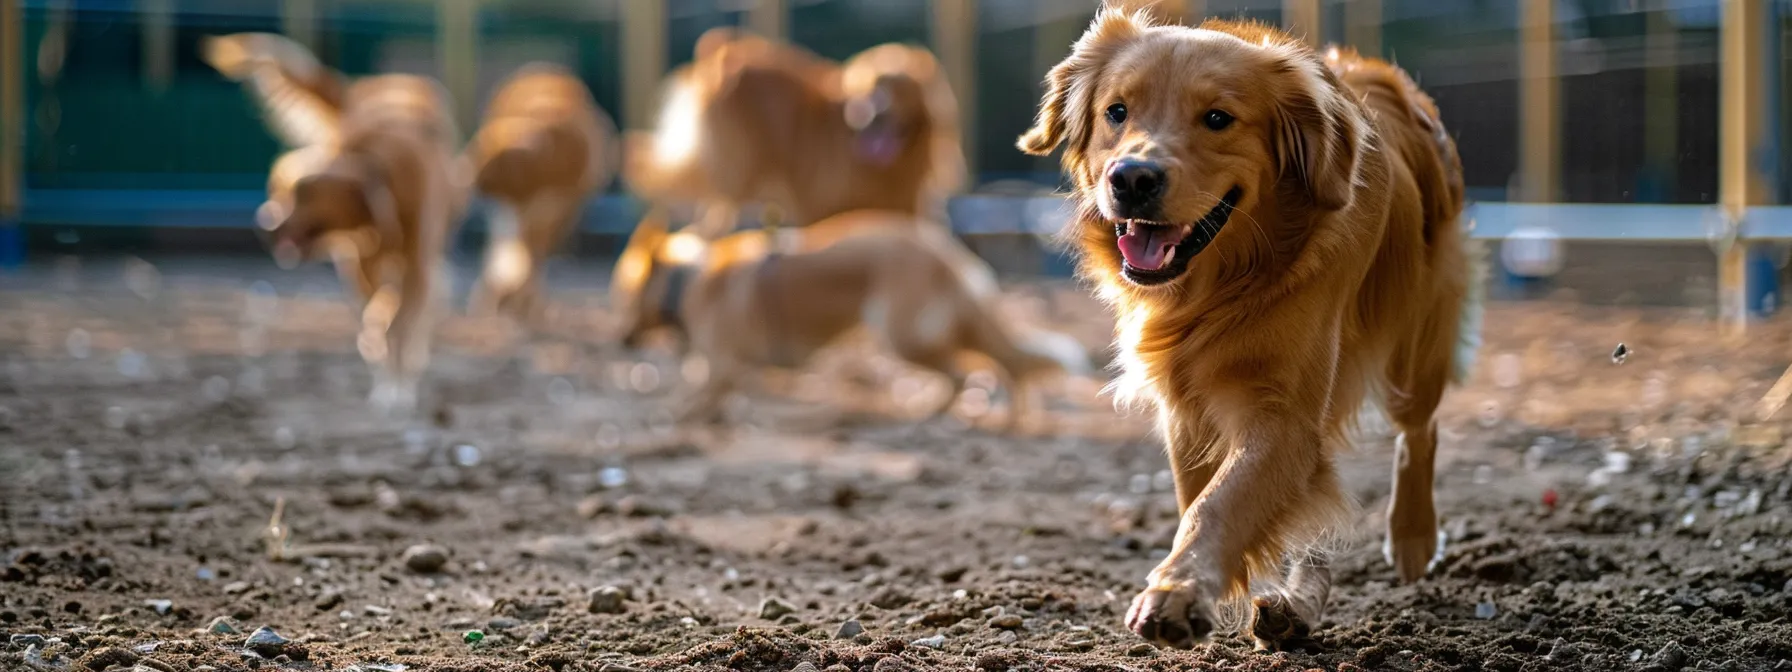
<point>1302,19</point>
<point>457,50</point>
<point>769,18</point>
<point>298,20</point>
<point>1362,26</point>
<point>1743,131</point>
<point>12,131</point>
<point>955,43</point>
<point>643,60</point>
<point>1539,116</point>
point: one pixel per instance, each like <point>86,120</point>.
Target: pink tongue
<point>1147,248</point>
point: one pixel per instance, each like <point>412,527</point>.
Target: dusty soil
<point>1601,516</point>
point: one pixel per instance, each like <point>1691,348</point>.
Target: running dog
<point>544,148</point>
<point>911,284</point>
<point>1277,230</point>
<point>368,182</point>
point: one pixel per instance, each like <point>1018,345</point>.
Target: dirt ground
<point>1601,516</point>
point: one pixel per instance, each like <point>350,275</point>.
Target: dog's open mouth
<point>1156,252</point>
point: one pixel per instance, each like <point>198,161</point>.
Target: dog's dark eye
<point>1216,119</point>
<point>1117,113</point>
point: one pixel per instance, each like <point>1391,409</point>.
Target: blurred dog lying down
<point>751,121</point>
<point>912,285</point>
<point>367,181</point>
<point>544,148</point>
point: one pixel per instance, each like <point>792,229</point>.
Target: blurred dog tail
<point>301,98</point>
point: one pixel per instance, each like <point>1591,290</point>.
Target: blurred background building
<point>110,118</point>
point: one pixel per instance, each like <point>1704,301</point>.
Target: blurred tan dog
<point>544,148</point>
<point>911,285</point>
<point>754,121</point>
<point>368,183</point>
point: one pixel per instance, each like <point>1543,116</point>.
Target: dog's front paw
<point>1175,616</point>
<point>1279,626</point>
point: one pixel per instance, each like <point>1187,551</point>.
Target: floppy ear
<point>1322,133</point>
<point>1064,114</point>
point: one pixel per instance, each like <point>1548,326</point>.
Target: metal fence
<point>1619,120</point>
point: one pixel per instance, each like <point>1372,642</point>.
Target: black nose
<point>1136,184</point>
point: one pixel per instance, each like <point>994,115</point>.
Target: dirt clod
<point>772,609</point>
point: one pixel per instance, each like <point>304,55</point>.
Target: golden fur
<point>368,182</point>
<point>912,285</point>
<point>752,121</point>
<point>544,147</point>
<point>1339,275</point>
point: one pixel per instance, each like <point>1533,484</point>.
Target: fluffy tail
<point>300,96</point>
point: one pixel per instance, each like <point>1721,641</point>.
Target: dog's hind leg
<point>1419,377</point>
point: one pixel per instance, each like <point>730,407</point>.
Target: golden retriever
<point>751,121</point>
<point>544,147</point>
<point>1278,234</point>
<point>368,183</point>
<point>743,306</point>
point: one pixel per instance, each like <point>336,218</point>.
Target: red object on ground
<point>1549,498</point>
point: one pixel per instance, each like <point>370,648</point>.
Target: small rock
<point>502,623</point>
<point>265,642</point>
<point>152,665</point>
<point>161,607</point>
<point>222,625</point>
<point>952,574</point>
<point>236,587</point>
<point>605,600</point>
<point>1007,637</point>
<point>773,608</point>
<point>1006,622</point>
<point>804,666</point>
<point>1143,649</point>
<point>849,630</point>
<point>1486,610</point>
<point>425,558</point>
<point>329,600</point>
<point>376,611</point>
<point>993,612</point>
<point>28,641</point>
<point>934,642</point>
